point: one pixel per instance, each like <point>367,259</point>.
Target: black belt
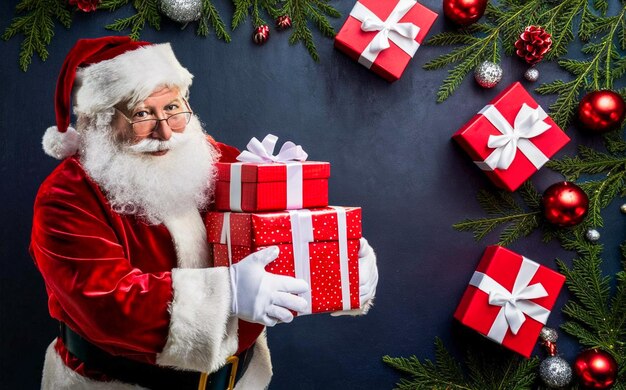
<point>152,376</point>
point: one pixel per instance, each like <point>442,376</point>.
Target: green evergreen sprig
<point>503,209</point>
<point>37,26</point>
<point>146,11</point>
<point>609,170</point>
<point>501,28</point>
<point>38,20</point>
<point>478,373</point>
<point>602,66</point>
<point>596,318</point>
<point>212,16</point>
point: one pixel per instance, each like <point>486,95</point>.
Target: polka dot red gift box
<point>318,245</point>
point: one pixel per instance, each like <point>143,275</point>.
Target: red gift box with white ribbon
<point>509,299</point>
<point>320,246</point>
<point>383,35</point>
<point>264,182</point>
<point>511,138</point>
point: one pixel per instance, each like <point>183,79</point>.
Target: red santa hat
<point>100,73</point>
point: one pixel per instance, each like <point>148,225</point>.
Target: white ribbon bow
<point>516,304</point>
<point>528,124</point>
<point>402,34</point>
<point>262,151</point>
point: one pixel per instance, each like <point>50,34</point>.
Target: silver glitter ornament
<point>182,11</point>
<point>555,372</point>
<point>532,74</point>
<point>622,208</point>
<point>592,235</point>
<point>548,334</point>
<point>488,74</point>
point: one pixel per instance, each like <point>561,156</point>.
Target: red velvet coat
<point>108,276</point>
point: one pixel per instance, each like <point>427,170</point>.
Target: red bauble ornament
<point>602,110</point>
<point>595,369</point>
<point>283,22</point>
<point>565,204</point>
<point>464,12</point>
<point>533,44</point>
<point>261,34</point>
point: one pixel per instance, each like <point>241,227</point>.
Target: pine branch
<point>211,15</point>
<point>301,32</point>
<point>480,43</point>
<point>601,193</point>
<point>588,161</point>
<point>477,373</point>
<point>147,11</point>
<point>112,5</point>
<point>503,210</point>
<point>300,11</point>
<point>37,26</point>
<point>592,74</point>
<point>595,318</point>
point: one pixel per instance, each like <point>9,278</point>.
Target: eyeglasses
<point>144,127</point>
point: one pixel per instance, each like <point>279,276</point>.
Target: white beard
<point>155,188</point>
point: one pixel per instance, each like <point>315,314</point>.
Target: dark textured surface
<point>390,149</point>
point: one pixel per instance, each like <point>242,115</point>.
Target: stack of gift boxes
<point>282,200</point>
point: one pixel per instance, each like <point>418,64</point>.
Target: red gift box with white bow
<point>383,35</point>
<point>509,299</point>
<point>262,181</point>
<point>511,138</point>
<point>320,246</point>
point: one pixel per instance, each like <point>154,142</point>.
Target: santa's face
<point>152,121</point>
<point>157,174</point>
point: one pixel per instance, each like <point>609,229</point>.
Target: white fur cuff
<point>202,333</point>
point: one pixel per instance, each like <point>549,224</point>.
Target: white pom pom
<point>60,145</point>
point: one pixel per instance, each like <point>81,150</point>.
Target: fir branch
<point>300,11</point>
<point>595,318</point>
<point>211,15</point>
<point>37,26</point>
<point>112,5</point>
<point>503,210</point>
<point>591,74</point>
<point>480,43</point>
<point>240,14</point>
<point>476,374</point>
<point>588,161</point>
<point>559,22</point>
<point>301,32</point>
<point>147,11</point>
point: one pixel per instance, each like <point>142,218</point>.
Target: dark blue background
<point>390,149</point>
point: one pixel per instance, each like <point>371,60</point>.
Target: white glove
<point>368,279</point>
<point>261,297</point>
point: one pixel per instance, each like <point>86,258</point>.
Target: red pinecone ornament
<point>533,44</point>
<point>283,22</point>
<point>261,34</point>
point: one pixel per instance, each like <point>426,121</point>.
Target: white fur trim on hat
<point>131,76</point>
<point>60,145</point>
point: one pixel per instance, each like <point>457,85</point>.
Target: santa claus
<point>119,239</point>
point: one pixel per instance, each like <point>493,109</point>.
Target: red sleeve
<point>77,246</point>
<point>227,153</point>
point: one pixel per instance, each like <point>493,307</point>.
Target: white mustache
<point>148,145</point>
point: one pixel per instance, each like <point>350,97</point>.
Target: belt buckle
<point>234,362</point>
